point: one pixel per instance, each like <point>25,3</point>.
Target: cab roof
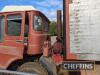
<point>26,11</point>
<point>11,8</point>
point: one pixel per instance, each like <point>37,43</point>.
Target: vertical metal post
<point>66,31</point>
<point>64,28</point>
<point>67,28</point>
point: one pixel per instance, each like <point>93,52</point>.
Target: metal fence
<point>4,72</point>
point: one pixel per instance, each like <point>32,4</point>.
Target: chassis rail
<point>14,72</point>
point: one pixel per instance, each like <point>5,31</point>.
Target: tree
<point>53,28</point>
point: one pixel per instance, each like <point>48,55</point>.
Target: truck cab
<point>21,32</point>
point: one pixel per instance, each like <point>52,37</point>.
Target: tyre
<point>33,67</point>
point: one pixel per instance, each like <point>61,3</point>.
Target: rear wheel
<point>33,67</point>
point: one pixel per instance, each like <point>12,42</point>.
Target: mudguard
<point>6,60</point>
<point>48,64</point>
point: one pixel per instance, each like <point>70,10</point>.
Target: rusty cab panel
<point>13,33</point>
<point>11,37</point>
<point>38,32</point>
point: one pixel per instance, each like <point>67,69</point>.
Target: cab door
<point>35,39</point>
<point>13,43</point>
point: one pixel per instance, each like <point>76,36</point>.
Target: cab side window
<point>46,26</point>
<point>14,25</point>
<point>1,28</point>
<point>37,23</point>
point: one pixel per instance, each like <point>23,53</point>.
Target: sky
<point>48,7</point>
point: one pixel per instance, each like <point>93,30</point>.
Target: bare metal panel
<point>85,28</point>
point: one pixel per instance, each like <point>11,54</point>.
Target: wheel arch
<point>7,60</point>
<point>14,64</point>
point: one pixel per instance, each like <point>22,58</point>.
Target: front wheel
<point>33,67</point>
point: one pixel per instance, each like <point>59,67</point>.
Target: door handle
<point>19,41</point>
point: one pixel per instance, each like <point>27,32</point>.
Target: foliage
<point>53,31</point>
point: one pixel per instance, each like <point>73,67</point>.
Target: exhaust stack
<point>59,23</point>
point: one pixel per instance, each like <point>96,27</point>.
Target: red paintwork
<point>46,48</point>
<point>57,58</point>
<point>10,50</point>
<point>36,38</point>
<point>5,60</point>
<point>68,54</point>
